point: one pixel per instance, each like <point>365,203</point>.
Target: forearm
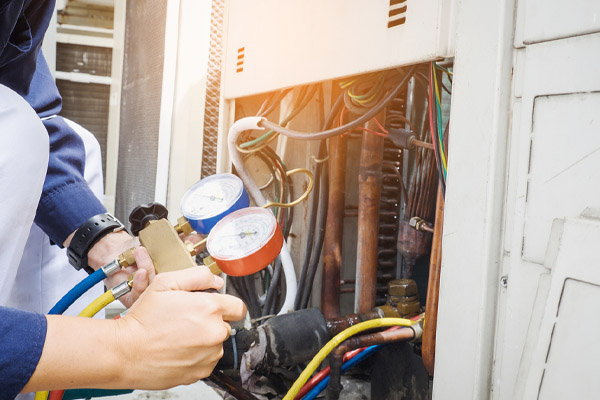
<point>79,353</point>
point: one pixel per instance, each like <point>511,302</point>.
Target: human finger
<point>189,279</point>
<point>140,283</point>
<point>231,308</point>
<point>143,261</point>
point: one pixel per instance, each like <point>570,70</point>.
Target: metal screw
<point>504,281</point>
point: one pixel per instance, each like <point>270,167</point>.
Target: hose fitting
<point>111,267</point>
<point>121,289</point>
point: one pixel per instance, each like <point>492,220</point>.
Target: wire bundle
<point>435,122</point>
<point>365,95</point>
<point>282,192</point>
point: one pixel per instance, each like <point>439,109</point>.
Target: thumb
<point>143,261</point>
<point>189,279</point>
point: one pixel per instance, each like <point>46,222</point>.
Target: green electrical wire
<point>301,102</point>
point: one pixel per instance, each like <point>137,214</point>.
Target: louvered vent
<point>213,90</point>
<point>240,59</point>
<point>397,13</point>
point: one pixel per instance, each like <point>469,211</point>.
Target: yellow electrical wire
<point>344,85</point>
<point>264,144</point>
<point>336,341</point>
<point>372,93</point>
<point>437,95</point>
<point>95,306</point>
<point>299,199</point>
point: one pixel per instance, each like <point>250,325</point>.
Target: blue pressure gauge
<point>211,199</point>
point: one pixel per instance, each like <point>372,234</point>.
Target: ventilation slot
<point>213,91</point>
<point>397,13</point>
<point>240,59</point>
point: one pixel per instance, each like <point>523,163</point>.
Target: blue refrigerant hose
<point>345,367</point>
<point>90,281</point>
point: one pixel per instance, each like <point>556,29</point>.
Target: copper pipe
<point>426,228</point>
<point>424,145</point>
<point>332,249</point>
<point>340,324</point>
<point>369,193</point>
<point>336,358</point>
<point>433,287</point>
<point>380,289</point>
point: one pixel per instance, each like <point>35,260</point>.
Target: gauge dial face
<point>241,233</point>
<point>211,196</point>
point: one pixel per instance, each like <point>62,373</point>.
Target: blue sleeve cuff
<point>23,335</point>
<point>65,209</point>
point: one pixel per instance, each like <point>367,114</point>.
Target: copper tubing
<point>433,287</point>
<point>369,193</point>
<point>336,358</point>
<point>424,145</point>
<point>332,249</point>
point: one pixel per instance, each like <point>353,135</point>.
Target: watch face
<point>241,233</point>
<point>211,196</point>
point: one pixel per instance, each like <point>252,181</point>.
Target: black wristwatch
<point>87,236</point>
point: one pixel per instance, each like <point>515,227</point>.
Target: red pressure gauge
<point>245,241</point>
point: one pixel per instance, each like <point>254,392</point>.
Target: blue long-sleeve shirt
<point>66,201</point>
<point>22,336</point>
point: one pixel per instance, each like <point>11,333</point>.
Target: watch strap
<point>87,235</point>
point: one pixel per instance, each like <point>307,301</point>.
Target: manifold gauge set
<point>241,239</point>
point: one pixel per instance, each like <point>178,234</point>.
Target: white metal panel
<point>574,354</point>
<point>546,76</point>
<point>564,161</point>
<point>275,44</point>
<point>565,359</point>
<point>472,239</point>
<point>167,102</point>
<point>185,162</point>
<point>554,19</point>
<point>554,136</point>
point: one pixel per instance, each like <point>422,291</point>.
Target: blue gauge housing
<point>204,226</point>
<point>211,199</point>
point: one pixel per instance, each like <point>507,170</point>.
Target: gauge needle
<point>211,197</point>
<point>242,234</point>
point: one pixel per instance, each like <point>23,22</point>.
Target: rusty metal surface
<point>369,193</point>
<point>332,249</point>
<point>433,287</point>
<point>412,244</point>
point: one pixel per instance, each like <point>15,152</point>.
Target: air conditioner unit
<point>272,44</point>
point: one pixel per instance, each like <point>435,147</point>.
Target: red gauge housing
<point>245,241</point>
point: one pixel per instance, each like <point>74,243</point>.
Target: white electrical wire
<point>287,264</point>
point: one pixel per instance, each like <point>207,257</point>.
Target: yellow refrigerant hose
<point>336,341</point>
<point>92,309</point>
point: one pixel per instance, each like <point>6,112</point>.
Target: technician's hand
<point>173,336</point>
<point>109,248</point>
<point>169,337</point>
